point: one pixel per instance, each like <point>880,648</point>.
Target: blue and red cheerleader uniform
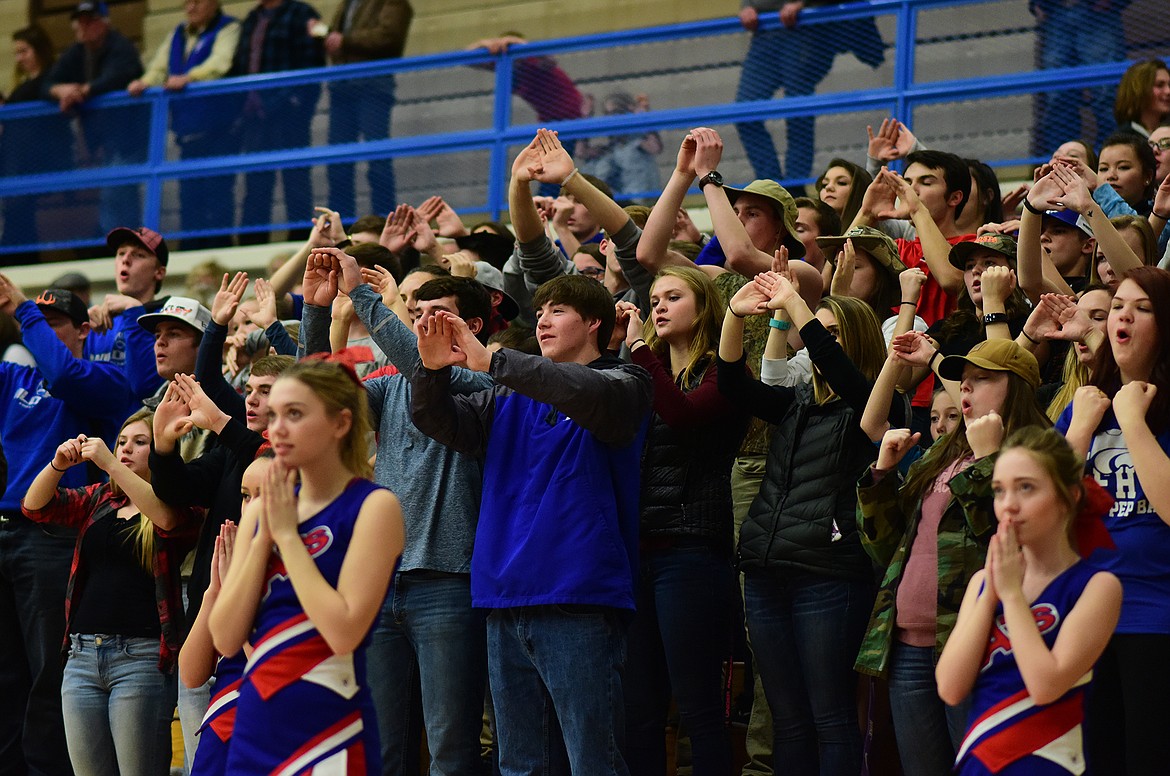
<point>302,708</point>
<point>1010,733</point>
<point>216,728</point>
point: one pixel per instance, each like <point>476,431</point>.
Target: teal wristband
<point>776,323</point>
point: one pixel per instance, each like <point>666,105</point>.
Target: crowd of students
<point>543,473</point>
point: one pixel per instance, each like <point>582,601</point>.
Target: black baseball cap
<point>65,302</point>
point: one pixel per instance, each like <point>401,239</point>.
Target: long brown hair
<point>1106,375</point>
<point>704,329</point>
<point>1019,410</point>
<point>860,335</point>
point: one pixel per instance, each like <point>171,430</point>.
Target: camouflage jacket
<point>887,520</point>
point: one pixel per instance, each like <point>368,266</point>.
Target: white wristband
<point>570,177</point>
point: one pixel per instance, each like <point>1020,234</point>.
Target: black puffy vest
<point>804,518</point>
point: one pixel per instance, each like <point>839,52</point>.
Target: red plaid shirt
<point>82,507</point>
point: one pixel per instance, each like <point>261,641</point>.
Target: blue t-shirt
<point>1142,561</point>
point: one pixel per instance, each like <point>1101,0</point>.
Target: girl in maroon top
<point>681,632</point>
<point>124,607</point>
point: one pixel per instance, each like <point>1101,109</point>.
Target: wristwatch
<point>991,318</point>
<point>711,177</point>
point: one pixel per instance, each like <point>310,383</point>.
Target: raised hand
<point>1071,323</point>
<point>997,284</point>
<point>1087,174</point>
<point>1162,197</point>
<point>905,194</point>
<point>424,240</point>
<point>68,453</point>
<point>227,299</point>
<point>437,346</point>
<point>895,444</point>
<point>708,150</point>
<point>172,419</point>
<point>1132,402</point>
<point>685,162</point>
<point>913,348</point>
<point>349,273</point>
<point>448,221</point>
<point>780,290</point>
<point>843,270</point>
<point>634,326</point>
<point>1045,194</point>
<point>396,234</point>
<point>1014,198</point>
<point>320,282</point>
<point>460,263</point>
<point>11,296</point>
<point>526,165</point>
<point>1075,194</point>
<point>265,313</point>
<point>750,299</point>
<point>555,162</point>
<point>892,141</point>
<point>911,282</point>
<point>204,413</point>
<point>327,229</point>
<point>985,434</point>
<point>879,198</point>
<point>95,450</point>
<point>1089,406</point>
<point>383,282</point>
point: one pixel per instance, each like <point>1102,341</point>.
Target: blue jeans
<point>429,639</point>
<point>1078,35</point>
<point>556,671</point>
<point>118,706</point>
<point>928,731</point>
<point>678,641</point>
<point>793,60</point>
<point>34,571</point>
<point>360,110</point>
<point>806,630</point>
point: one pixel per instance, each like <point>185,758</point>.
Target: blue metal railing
<point>899,99</point>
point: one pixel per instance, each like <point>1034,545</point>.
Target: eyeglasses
<point>1160,145</point>
<point>592,272</point>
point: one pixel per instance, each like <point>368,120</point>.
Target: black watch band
<point>711,177</point>
<point>991,318</point>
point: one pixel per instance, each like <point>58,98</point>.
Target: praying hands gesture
<point>893,140</point>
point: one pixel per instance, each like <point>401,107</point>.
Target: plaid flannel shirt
<point>81,508</point>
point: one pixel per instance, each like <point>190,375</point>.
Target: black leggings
<point>1127,719</point>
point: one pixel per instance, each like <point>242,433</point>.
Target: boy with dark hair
<point>472,299</point>
<point>556,547</point>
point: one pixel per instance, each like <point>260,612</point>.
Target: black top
<point>117,595</point>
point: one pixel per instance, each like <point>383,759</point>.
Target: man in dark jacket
<point>103,60</point>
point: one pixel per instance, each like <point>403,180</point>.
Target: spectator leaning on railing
<point>200,48</point>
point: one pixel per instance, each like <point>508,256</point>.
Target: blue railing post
<point>156,154</point>
<point>501,119</point>
<point>904,55</point>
